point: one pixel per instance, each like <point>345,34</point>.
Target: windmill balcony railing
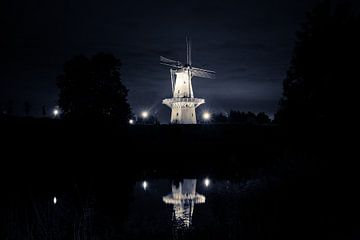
<point>184,99</point>
<point>171,199</point>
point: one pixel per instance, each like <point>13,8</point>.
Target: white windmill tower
<point>183,103</point>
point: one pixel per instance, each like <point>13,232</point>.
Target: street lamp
<point>131,121</point>
<point>56,112</point>
<point>144,185</point>
<point>206,116</point>
<point>206,182</point>
<point>144,114</point>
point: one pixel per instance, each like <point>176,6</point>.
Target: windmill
<point>183,103</point>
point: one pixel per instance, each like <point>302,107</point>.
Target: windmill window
<point>177,114</point>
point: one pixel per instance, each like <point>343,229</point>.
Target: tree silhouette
<point>320,80</point>
<point>150,120</point>
<point>27,108</point>
<point>10,107</point>
<point>43,110</point>
<point>2,110</point>
<point>262,118</point>
<point>219,118</point>
<point>238,117</point>
<point>91,88</point>
<point>242,117</point>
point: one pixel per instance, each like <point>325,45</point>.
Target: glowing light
<point>207,182</point>
<point>56,112</point>
<point>206,116</point>
<point>144,114</point>
<point>144,185</point>
<point>55,200</point>
<point>131,121</point>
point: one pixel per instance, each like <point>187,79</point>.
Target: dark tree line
<point>238,117</point>
<point>7,109</point>
<point>323,75</point>
<point>150,120</point>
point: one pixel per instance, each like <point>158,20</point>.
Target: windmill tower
<point>183,103</point>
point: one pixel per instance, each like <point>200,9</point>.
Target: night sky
<point>247,42</point>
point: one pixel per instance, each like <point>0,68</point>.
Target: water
<point>187,208</point>
<point>257,207</point>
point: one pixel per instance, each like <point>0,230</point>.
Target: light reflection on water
<point>183,197</point>
<point>186,208</point>
<point>169,206</point>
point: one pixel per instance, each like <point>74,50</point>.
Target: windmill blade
<point>172,65</point>
<point>204,70</point>
<point>202,74</point>
<point>172,75</point>
<point>188,51</point>
<point>164,59</point>
<point>169,61</point>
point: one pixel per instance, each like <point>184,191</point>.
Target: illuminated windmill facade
<point>183,103</point>
<point>183,198</point>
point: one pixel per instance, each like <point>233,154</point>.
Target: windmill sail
<point>188,51</point>
<point>169,62</point>
<point>172,74</point>
<point>204,70</point>
<point>203,73</point>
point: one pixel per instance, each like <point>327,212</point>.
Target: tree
<point>27,108</point>
<point>320,79</point>
<point>43,110</point>
<point>150,120</point>
<point>10,108</point>
<point>238,117</point>
<point>262,118</point>
<point>2,110</point>
<point>91,88</point>
<point>219,118</point>
<point>242,117</point>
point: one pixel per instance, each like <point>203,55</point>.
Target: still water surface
<point>186,208</point>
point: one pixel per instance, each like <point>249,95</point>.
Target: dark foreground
<point>266,182</point>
